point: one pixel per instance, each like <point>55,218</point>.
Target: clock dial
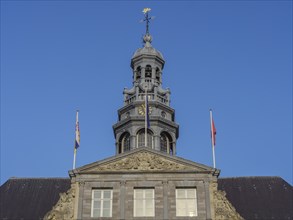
<point>141,109</point>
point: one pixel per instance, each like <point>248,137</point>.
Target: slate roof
<point>260,198</point>
<point>30,198</point>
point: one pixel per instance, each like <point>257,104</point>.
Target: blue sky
<point>232,56</point>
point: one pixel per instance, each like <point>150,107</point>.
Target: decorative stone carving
<point>142,161</point>
<point>223,208</point>
<point>64,207</point>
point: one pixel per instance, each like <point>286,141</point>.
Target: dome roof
<point>147,49</point>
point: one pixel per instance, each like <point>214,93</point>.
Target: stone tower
<point>147,66</point>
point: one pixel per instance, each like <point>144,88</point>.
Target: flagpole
<point>145,119</point>
<point>77,139</point>
<point>213,141</point>
<point>74,158</point>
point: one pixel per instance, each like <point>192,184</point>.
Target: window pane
<point>180,203</point>
<point>106,213</point>
<point>96,213</point>
<point>190,193</point>
<point>180,212</point>
<point>139,204</point>
<point>139,212</point>
<point>163,143</point>
<point>148,193</point>
<point>144,202</point>
<point>186,202</point>
<point>191,213</point>
<point>106,204</point>
<point>149,212</point>
<point>180,193</point>
<point>138,194</point>
<point>149,204</point>
<point>191,206</point>
<point>97,204</point>
<point>97,194</point>
<point>107,194</point>
<point>102,203</point>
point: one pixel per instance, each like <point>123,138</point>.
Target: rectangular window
<point>186,203</point>
<point>144,202</point>
<point>102,203</point>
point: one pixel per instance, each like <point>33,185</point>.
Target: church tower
<point>146,119</point>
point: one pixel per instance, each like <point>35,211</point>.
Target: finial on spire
<point>147,19</point>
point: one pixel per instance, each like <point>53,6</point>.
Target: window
<point>186,204</point>
<point>158,73</point>
<point>141,138</point>
<point>102,203</point>
<point>144,202</point>
<point>166,143</point>
<point>148,71</point>
<point>124,143</point>
<point>138,73</point>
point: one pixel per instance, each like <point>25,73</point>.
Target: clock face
<point>141,109</point>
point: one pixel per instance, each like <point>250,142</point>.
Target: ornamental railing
<point>141,97</point>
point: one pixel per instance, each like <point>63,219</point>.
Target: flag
<point>147,112</point>
<point>77,133</point>
<point>213,132</point>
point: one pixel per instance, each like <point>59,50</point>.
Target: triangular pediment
<point>144,159</point>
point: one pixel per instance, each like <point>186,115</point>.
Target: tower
<point>158,129</point>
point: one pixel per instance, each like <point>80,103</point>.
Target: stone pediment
<point>143,160</point>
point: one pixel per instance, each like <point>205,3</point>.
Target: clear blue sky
<point>232,56</point>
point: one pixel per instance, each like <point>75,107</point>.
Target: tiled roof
<point>259,197</point>
<point>30,198</point>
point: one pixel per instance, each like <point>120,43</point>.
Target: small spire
<point>147,37</point>
<point>147,19</point>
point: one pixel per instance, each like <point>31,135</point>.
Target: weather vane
<point>147,19</point>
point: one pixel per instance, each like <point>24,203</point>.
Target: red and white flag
<point>213,132</point>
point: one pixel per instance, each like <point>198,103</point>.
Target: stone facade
<point>155,170</point>
<point>144,168</point>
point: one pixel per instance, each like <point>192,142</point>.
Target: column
<point>165,194</point>
<point>174,148</point>
<point>157,142</point>
<point>132,142</point>
<point>117,147</point>
<point>122,199</point>
<point>153,74</point>
<point>80,200</point>
<point>208,200</point>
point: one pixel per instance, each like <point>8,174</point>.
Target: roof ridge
<point>249,177</point>
<point>37,178</point>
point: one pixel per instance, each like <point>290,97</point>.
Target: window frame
<point>166,144</point>
<point>124,143</point>
<point>148,71</point>
<point>144,202</point>
<point>140,138</point>
<point>102,201</point>
<point>185,200</point>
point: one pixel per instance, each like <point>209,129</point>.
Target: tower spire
<point>146,119</point>
<point>147,19</point>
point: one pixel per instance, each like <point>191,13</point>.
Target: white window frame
<point>102,200</point>
<point>186,202</point>
<point>143,199</point>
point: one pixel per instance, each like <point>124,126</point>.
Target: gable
<point>144,159</point>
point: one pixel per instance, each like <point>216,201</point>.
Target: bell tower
<point>158,129</point>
